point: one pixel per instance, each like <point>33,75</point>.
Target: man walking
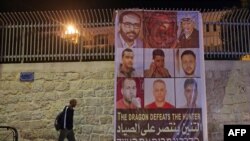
<point>68,115</point>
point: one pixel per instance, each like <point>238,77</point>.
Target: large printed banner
<point>159,76</point>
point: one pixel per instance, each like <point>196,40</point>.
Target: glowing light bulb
<point>71,30</point>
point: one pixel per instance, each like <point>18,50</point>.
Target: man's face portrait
<point>159,91</point>
<point>191,93</point>
<point>129,90</point>
<point>127,59</point>
<point>130,27</point>
<point>187,26</point>
<point>159,61</point>
<point>188,64</point>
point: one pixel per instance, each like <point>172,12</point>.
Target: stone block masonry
<point>32,106</point>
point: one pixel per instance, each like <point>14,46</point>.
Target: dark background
<point>41,5</point>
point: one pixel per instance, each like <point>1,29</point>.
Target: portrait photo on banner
<point>160,29</point>
<point>187,63</point>
<point>129,29</point>
<point>159,93</point>
<point>188,31</point>
<point>129,62</point>
<point>188,93</point>
<point>158,63</point>
<point>129,93</point>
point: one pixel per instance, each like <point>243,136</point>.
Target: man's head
<point>188,59</point>
<point>159,90</point>
<point>190,91</point>
<point>158,57</point>
<point>73,103</point>
<point>127,58</point>
<point>128,89</point>
<point>187,25</point>
<point>130,24</point>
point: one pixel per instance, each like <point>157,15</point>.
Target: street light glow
<point>71,33</point>
<point>71,29</point>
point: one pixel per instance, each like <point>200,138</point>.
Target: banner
<point>159,76</point>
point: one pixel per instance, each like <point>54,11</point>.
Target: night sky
<point>41,5</point>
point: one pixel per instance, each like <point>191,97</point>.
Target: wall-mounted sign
<point>27,76</point>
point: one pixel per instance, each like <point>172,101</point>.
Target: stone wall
<point>228,95</point>
<point>32,106</point>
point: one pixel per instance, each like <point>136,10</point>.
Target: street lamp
<point>71,33</point>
